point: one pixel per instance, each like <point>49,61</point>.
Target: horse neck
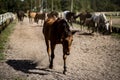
<point>62,30</point>
<point>66,30</point>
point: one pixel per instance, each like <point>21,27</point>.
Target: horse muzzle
<point>67,53</point>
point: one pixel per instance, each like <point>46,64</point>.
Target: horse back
<point>40,16</point>
<point>32,14</point>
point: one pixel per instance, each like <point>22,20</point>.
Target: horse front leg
<point>65,68</point>
<point>52,56</point>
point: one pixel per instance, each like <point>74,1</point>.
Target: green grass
<point>116,35</point>
<point>4,38</point>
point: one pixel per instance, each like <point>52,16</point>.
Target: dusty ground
<point>93,57</point>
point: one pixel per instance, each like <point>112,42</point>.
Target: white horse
<point>101,22</point>
<point>63,14</point>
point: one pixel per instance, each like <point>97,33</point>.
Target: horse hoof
<point>51,67</point>
<point>64,72</point>
<point>67,53</point>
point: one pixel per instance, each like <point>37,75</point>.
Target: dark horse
<point>43,16</point>
<point>82,17</point>
<point>20,15</point>
<point>57,31</point>
<point>39,16</point>
<point>70,17</point>
<point>31,16</point>
<point>52,14</point>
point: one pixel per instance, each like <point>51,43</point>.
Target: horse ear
<point>74,31</point>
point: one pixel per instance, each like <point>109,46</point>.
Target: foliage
<point>59,5</point>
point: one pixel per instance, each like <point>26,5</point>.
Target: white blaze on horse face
<point>107,24</point>
<point>96,18</point>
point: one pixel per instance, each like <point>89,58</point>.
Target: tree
<point>59,5</point>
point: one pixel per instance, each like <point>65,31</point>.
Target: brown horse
<point>31,16</point>
<point>52,14</point>
<point>57,32</point>
<point>40,16</point>
<point>82,17</point>
<point>90,24</point>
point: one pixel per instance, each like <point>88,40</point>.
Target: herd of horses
<point>96,22</point>
<point>56,30</point>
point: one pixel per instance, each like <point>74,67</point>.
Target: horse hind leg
<point>88,29</point>
<point>82,28</point>
<point>48,48</point>
<point>30,20</point>
<point>42,22</point>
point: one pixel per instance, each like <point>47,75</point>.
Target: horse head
<point>52,14</point>
<point>104,21</point>
<point>67,37</point>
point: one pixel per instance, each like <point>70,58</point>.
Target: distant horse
<point>90,24</point>
<point>102,24</point>
<point>82,17</point>
<point>39,16</point>
<point>20,15</point>
<point>70,17</point>
<point>31,16</point>
<point>57,31</point>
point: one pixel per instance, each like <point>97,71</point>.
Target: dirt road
<point>93,57</point>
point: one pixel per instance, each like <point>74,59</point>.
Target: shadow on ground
<point>87,34</point>
<point>29,66</point>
